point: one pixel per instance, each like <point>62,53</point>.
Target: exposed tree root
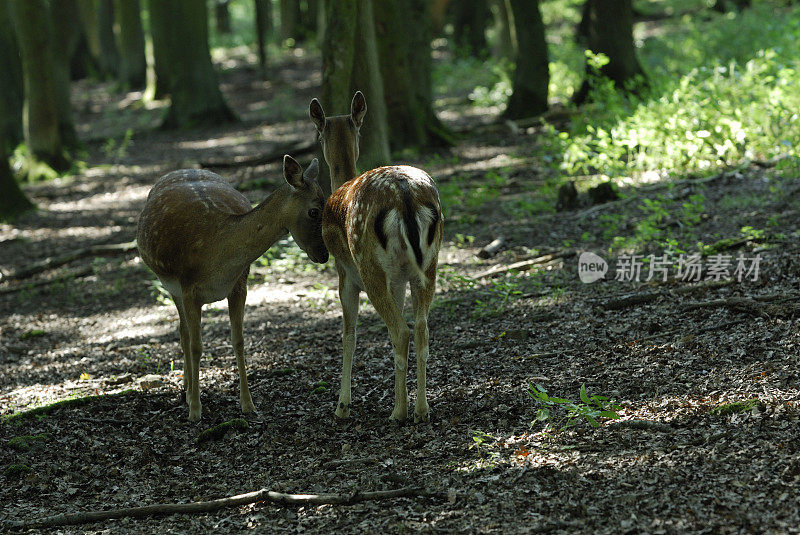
<point>53,262</point>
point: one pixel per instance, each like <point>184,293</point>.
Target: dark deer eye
<point>313,213</point>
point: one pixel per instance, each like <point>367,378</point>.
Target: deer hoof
<point>247,408</point>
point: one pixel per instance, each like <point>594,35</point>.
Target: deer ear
<point>292,172</point>
<point>317,114</point>
<point>312,171</point>
<point>358,108</point>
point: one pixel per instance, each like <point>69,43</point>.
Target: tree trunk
<point>196,97</point>
<point>40,115</point>
<point>158,19</point>
<point>350,63</point>
<point>13,200</point>
<point>133,65</point>
<point>403,36</point>
<point>730,5</point>
<point>263,20</point>
<point>532,72</point>
<point>470,18</point>
<point>66,26</point>
<point>222,15</point>
<point>608,27</point>
<point>506,45</point>
<point>438,11</point>
<point>11,91</point>
<point>290,13</point>
<point>109,56</point>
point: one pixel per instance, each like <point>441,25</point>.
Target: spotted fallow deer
<point>384,228</point>
<point>199,236</point>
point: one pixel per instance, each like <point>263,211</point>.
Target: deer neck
<point>342,172</point>
<point>256,231</point>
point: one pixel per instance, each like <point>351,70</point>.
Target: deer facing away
<point>384,228</point>
<point>199,236</point>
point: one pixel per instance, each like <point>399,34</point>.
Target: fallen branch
<point>262,495</point>
<point>53,262</point>
<point>88,270</point>
<point>740,304</point>
<point>693,333</point>
<point>631,300</point>
<point>296,148</point>
<point>492,248</point>
<point>525,265</point>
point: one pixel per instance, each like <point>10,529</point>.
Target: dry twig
<point>53,262</point>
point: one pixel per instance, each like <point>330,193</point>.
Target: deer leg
<point>384,302</point>
<point>183,331</point>
<point>192,312</point>
<point>348,295</point>
<point>421,297</point>
<point>236,302</point>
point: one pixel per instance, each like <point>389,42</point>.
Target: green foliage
<point>286,255</point>
<point>24,443</point>
<point>482,442</point>
<point>160,293</point>
<point>117,151</point>
<point>590,408</point>
<point>76,400</point>
<point>32,333</point>
<point>737,407</point>
<point>498,291</point>
<point>320,387</point>
<point>17,471</point>
<point>219,431</point>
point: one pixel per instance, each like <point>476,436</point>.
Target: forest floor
<point>706,374</point>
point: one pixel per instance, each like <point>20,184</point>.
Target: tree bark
<point>133,65</point>
<point>109,55</point>
<point>403,37</point>
<point>222,15</point>
<point>350,63</point>
<point>67,27</point>
<point>11,91</point>
<point>40,114</point>
<point>13,200</point>
<point>470,18</point>
<point>196,97</point>
<point>263,21</point>
<point>608,29</point>
<point>159,28</point>
<point>290,13</point>
<point>532,72</point>
<point>506,46</point>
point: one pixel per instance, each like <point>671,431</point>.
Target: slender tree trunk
<point>263,20</point>
<point>403,38</point>
<point>67,27</point>
<point>13,200</point>
<point>350,63</point>
<point>196,97</point>
<point>438,12</point>
<point>532,73</point>
<point>40,114</point>
<point>159,28</point>
<point>608,27</point>
<point>11,91</point>
<point>133,64</point>
<point>222,15</point>
<point>470,19</point>
<point>109,55</point>
<point>506,45</point>
<point>290,12</point>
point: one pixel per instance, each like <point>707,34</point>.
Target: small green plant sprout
<point>463,240</point>
<point>481,442</point>
<point>160,293</point>
<point>33,333</point>
<point>219,431</point>
<point>320,387</point>
<point>499,293</point>
<point>589,408</point>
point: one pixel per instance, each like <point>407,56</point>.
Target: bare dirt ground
<point>707,374</point>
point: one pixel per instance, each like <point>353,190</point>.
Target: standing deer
<point>199,236</point>
<point>384,228</point>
